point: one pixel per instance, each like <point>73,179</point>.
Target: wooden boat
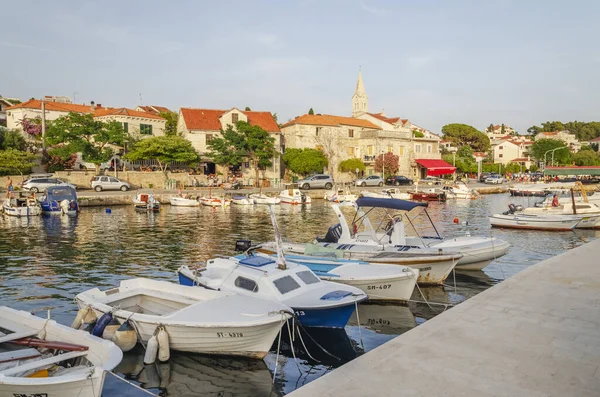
<point>183,201</point>
<point>20,204</point>
<point>293,195</point>
<point>387,193</point>
<point>196,319</point>
<point>211,201</point>
<point>145,202</point>
<point>429,195</point>
<point>379,282</point>
<point>40,357</point>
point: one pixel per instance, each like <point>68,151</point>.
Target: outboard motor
<point>333,234</point>
<point>242,245</point>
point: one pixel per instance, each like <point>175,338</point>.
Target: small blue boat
<point>60,200</point>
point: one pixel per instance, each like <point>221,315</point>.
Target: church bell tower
<point>360,100</point>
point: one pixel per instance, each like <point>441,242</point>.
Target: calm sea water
<point>46,261</point>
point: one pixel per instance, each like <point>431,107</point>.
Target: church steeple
<point>360,100</point>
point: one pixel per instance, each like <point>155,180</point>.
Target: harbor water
<point>46,261</point>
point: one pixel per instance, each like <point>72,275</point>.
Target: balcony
<point>368,159</point>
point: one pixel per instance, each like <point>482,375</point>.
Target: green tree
<point>543,146</point>
<point>246,141</point>
<point>418,134</point>
<point>533,168</point>
<point>388,163</point>
<point>586,158</point>
<point>465,151</point>
<point>311,111</point>
<point>13,160</point>
<point>81,133</point>
<point>351,165</point>
<point>171,124</point>
<point>490,128</point>
<point>502,129</point>
<point>551,126</point>
<point>534,130</point>
<point>166,150</point>
<point>11,139</point>
<point>247,109</point>
<point>304,161</point>
<point>463,134</point>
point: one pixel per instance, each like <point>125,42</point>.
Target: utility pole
<point>43,127</point>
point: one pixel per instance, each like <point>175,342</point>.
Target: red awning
<point>436,167</point>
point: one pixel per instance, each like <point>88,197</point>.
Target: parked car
<point>494,179</point>
<point>100,183</point>
<point>484,176</point>
<point>318,181</point>
<point>371,180</point>
<point>35,185</point>
<point>398,180</point>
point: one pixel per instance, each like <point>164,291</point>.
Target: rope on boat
<point>287,323</point>
<point>315,342</point>
<point>278,349</point>
<point>132,384</point>
<point>359,328</point>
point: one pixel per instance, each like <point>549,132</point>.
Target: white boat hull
<point>477,252</point>
<point>56,387</point>
<point>391,288</point>
<point>242,201</point>
<point>183,202</point>
<point>264,199</point>
<point>21,211</point>
<point>557,223</point>
<point>214,202</point>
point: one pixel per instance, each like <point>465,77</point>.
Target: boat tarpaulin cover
<point>390,203</point>
<point>436,167</point>
<point>573,170</point>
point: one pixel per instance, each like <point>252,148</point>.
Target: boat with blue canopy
<point>60,200</point>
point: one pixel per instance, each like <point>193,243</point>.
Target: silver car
<point>371,180</point>
<point>319,181</point>
<point>35,185</point>
<point>100,183</point>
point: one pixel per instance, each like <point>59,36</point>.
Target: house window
<point>401,151</point>
<point>209,138</point>
<point>417,148</point>
<point>500,147</point>
<point>317,131</point>
<point>390,149</point>
<point>125,126</point>
<point>350,133</point>
<point>500,155</point>
<point>234,117</point>
<point>350,151</point>
<point>146,129</point>
<point>428,148</point>
<point>370,150</point>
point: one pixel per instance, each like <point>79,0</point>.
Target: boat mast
<point>278,243</point>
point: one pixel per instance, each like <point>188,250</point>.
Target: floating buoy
<point>108,210</point>
<point>456,220</point>
<point>163,344</point>
<point>125,337</point>
<point>151,350</point>
<point>79,318</point>
<point>101,324</point>
<point>110,329</point>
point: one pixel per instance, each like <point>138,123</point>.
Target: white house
<point>564,136</point>
<point>510,150</point>
<point>499,131</point>
<point>136,124</point>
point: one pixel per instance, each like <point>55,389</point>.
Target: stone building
<point>199,126</point>
<point>137,124</point>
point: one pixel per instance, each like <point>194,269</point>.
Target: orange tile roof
<point>208,119</point>
<point>54,106</point>
<point>154,109</point>
<point>329,120</point>
<point>125,112</point>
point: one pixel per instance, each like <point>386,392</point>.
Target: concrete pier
<point>535,334</point>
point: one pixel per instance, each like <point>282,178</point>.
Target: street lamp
<point>552,150</point>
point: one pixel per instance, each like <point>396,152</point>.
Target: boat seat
<point>41,363</point>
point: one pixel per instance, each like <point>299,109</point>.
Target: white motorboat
<point>241,200</point>
<point>588,212</point>
<point>387,193</point>
<point>184,201</point>
<point>316,303</point>
<point>390,235</point>
<point>214,201</point>
<point>196,320</point>
<point>60,199</point>
<point>340,195</point>
<point>19,204</point>
<point>460,190</point>
<point>293,195</point>
<point>146,202</point>
<point>535,222</point>
<point>28,366</point>
<point>261,198</point>
<point>379,282</point>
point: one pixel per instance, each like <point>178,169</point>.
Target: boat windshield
<point>61,194</point>
<point>308,277</point>
<point>286,284</point>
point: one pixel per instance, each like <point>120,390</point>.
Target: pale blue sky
<point>433,62</point>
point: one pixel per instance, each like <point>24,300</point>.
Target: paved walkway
<point>535,334</point>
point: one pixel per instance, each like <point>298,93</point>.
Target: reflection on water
<point>45,261</point>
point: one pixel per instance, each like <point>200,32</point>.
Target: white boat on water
<point>184,201</point>
<point>387,193</point>
<point>535,222</point>
<point>19,204</point>
<point>460,190</point>
<point>241,200</point>
<point>146,202</point>
<point>261,198</point>
<point>40,357</point>
<point>293,195</point>
<point>214,201</point>
<point>588,212</point>
<point>340,195</point>
<point>196,320</point>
